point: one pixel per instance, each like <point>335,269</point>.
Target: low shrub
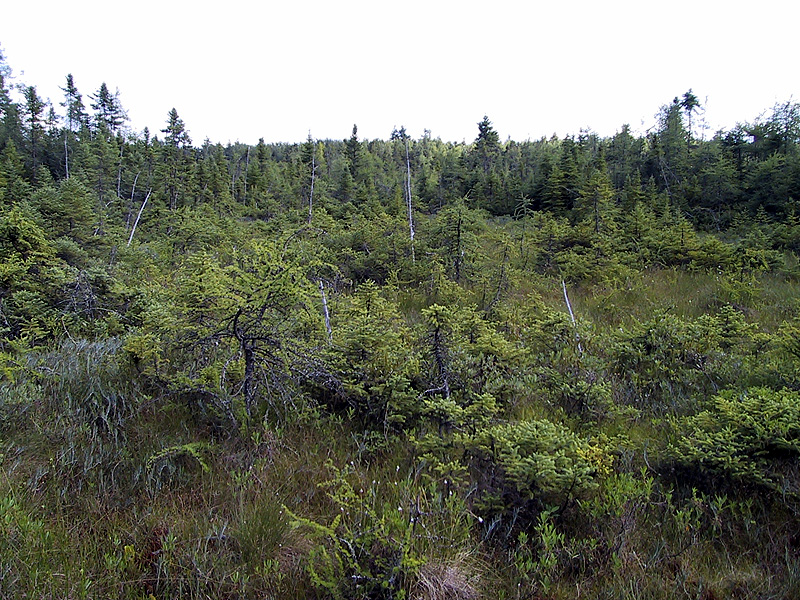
<point>750,437</point>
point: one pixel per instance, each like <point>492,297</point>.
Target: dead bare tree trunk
<point>66,154</point>
<point>408,202</point>
<point>119,170</point>
<point>130,205</point>
<point>139,216</point>
<point>311,195</point>
<point>326,312</point>
<point>246,169</point>
<point>439,355</point>
<point>572,316</point>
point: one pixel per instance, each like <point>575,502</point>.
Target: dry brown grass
<point>460,578</point>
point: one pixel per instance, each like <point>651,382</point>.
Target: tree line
<point>748,169</point>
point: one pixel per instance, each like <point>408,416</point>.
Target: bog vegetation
<point>402,368</point>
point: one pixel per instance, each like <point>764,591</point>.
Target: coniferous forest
<point>400,368</point>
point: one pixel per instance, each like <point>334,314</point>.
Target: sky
<point>241,70</point>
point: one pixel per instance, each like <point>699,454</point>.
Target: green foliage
<point>668,360</point>
<point>453,235</point>
<point>85,377</point>
<point>79,421</point>
<point>27,548</point>
<point>40,294</point>
<point>377,362</point>
<point>381,537</point>
<point>536,560</point>
<point>787,353</point>
<point>68,211</point>
<point>242,328</point>
<point>176,463</point>
<point>528,465</point>
<point>261,531</point>
<point>750,437</point>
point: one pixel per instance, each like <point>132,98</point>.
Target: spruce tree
<point>109,114</point>
<point>34,122</point>
<point>175,160</point>
<point>75,119</point>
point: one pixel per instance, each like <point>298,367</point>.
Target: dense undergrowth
<point>441,452</point>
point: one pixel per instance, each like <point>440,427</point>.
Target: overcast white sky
<point>241,70</point>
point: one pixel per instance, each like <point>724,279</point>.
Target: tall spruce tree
<point>109,114</point>
<point>34,108</point>
<point>176,160</point>
<point>75,118</point>
<point>689,104</point>
<point>487,150</point>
